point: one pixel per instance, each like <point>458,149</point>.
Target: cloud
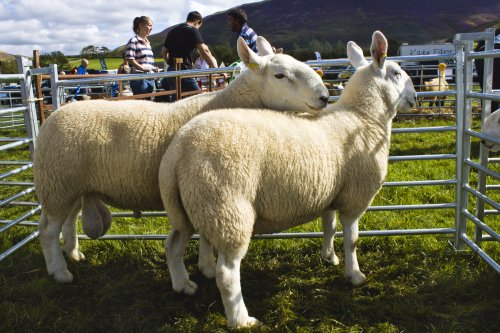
<point>68,26</point>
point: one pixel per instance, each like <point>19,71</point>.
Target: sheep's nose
<point>324,99</point>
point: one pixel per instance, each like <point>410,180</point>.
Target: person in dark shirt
<point>237,21</point>
<point>181,42</point>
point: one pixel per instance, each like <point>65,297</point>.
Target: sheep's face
<point>491,127</point>
<point>394,84</point>
<point>398,88</point>
<point>289,82</point>
<point>284,82</point>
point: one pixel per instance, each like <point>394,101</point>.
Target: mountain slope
<point>6,56</point>
<point>295,23</point>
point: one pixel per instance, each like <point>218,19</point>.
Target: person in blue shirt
<point>82,91</point>
<point>237,21</point>
<point>82,69</point>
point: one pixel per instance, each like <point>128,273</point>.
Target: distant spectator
<point>181,41</point>
<point>496,69</point>
<point>201,63</point>
<point>74,71</point>
<point>83,91</point>
<point>237,21</point>
<point>82,69</point>
<point>140,55</point>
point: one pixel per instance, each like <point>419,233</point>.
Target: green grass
<point>111,63</point>
<point>415,283</point>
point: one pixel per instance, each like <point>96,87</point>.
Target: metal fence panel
<point>462,94</point>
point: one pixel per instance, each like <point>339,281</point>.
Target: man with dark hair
<point>181,41</point>
<point>237,21</point>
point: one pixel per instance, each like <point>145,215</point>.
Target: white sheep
<point>229,175</point>
<point>100,151</point>
<point>491,127</point>
<point>437,84</point>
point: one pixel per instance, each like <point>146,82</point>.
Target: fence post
<point>30,118</point>
<point>54,80</point>
<point>38,87</point>
<point>178,91</point>
<point>461,195</point>
<point>485,112</point>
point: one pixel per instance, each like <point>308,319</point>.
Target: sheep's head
<point>282,82</point>
<point>391,81</point>
<point>491,127</point>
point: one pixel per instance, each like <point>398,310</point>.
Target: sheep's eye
<point>279,76</point>
<point>398,74</point>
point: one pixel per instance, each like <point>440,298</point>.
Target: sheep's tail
<point>172,201</point>
<point>96,217</point>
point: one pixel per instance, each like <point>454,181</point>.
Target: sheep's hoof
<point>357,279</point>
<point>330,256</point>
<point>63,277</point>
<point>75,255</point>
<point>189,288</point>
<point>249,322</point>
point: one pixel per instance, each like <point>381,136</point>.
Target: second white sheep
<point>231,174</point>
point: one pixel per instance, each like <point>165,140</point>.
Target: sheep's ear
<point>249,57</point>
<point>379,49</point>
<point>355,55</point>
<point>263,46</point>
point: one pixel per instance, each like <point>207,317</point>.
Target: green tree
<point>90,52</point>
<point>224,53</point>
<point>55,57</point>
<point>104,51</point>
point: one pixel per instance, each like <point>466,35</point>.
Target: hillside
<point>295,24</point>
<point>6,56</point>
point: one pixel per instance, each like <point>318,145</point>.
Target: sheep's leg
<point>206,259</point>
<point>175,246</point>
<point>329,227</point>
<point>352,271</point>
<point>70,237</point>
<point>49,230</point>
<point>228,281</point>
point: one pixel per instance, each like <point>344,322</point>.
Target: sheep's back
<point>273,160</point>
<point>289,168</point>
<point>111,148</point>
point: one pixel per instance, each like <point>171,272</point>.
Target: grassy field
<point>415,283</point>
<point>111,63</point>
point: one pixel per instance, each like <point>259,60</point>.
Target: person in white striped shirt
<point>140,55</point>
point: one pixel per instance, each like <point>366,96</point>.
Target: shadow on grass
<point>126,288</point>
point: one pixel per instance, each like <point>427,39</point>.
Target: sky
<point>68,25</point>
